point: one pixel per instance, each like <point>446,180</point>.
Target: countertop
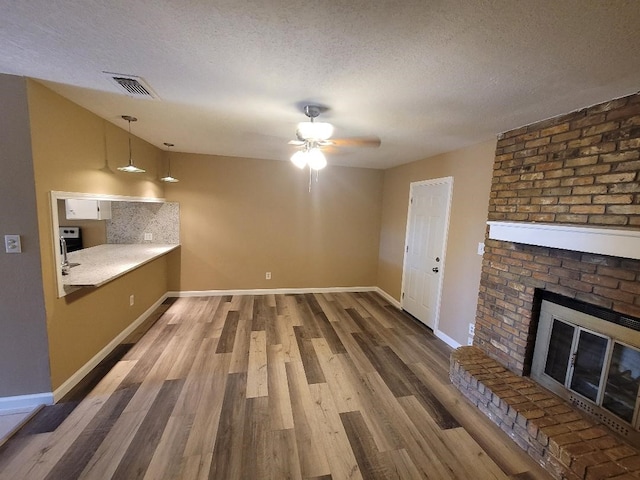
<point>103,263</point>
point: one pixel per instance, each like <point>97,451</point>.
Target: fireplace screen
<point>621,388</point>
<point>583,357</point>
<point>588,361</point>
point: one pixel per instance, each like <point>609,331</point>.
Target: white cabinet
<point>81,209</point>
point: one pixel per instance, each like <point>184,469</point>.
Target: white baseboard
<point>389,298</point>
<point>72,381</point>
<point>447,339</point>
<point>24,403</point>
<point>283,291</point>
<point>268,291</point>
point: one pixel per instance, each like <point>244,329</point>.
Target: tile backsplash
<point>130,221</point>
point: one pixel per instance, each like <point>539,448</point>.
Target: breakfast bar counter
<point>95,266</point>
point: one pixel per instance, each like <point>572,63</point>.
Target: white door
<point>424,250</point>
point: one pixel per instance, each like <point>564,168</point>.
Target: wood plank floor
<point>313,386</point>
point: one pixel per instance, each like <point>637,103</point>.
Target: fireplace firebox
<point>591,357</point>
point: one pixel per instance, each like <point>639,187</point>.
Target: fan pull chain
<point>311,177</point>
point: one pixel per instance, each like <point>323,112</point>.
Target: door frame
<point>436,181</point>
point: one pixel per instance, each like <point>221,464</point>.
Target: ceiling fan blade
<point>297,143</point>
<point>330,149</point>
<point>373,142</point>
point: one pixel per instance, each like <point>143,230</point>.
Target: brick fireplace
<point>582,168</point>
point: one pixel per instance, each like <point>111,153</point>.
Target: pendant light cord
<point>130,159</point>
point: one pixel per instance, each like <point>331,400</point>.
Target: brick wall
<point>578,168</point>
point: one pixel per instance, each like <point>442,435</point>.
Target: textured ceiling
<point>424,76</point>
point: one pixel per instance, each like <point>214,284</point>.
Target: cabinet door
<point>84,209</point>
<point>104,210</point>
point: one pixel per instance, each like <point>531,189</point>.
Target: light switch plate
<point>12,244</point>
<point>481,248</point>
<point>148,236</point>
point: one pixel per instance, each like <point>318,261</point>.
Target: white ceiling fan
<point>314,136</point>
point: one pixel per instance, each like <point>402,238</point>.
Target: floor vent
<point>132,85</point>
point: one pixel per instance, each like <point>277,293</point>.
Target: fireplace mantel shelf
<point>614,242</point>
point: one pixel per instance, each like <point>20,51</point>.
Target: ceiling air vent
<point>132,85</point>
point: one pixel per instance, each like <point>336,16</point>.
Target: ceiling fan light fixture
<point>316,159</point>
<point>314,130</point>
<point>310,156</point>
<point>130,167</point>
<point>299,159</point>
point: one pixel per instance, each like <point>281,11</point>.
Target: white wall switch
<point>132,300</point>
<point>148,236</point>
<point>472,329</point>
<point>12,244</point>
<point>267,276</point>
<point>469,341</point>
<point>481,248</point>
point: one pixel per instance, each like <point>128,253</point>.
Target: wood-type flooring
<point>309,386</point>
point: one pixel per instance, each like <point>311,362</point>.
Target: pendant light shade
<point>168,178</point>
<point>130,167</point>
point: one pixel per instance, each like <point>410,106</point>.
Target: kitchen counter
<point>98,265</point>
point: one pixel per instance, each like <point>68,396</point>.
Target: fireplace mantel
<point>614,242</point>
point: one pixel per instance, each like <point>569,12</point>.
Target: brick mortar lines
<point>565,442</point>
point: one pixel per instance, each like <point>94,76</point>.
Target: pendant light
<point>130,168</point>
<point>168,178</point>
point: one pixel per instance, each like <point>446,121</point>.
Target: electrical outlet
<point>131,300</point>
<point>472,329</point>
<point>148,236</point>
<point>481,248</point>
<point>12,244</point>
<point>469,340</point>
<point>267,276</point>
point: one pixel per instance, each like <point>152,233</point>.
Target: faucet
<point>65,261</point>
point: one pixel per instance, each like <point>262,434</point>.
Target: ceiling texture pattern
<point>232,76</point>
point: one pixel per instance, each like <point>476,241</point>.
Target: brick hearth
<point>568,444</point>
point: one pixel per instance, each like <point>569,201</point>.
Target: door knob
<point>435,269</point>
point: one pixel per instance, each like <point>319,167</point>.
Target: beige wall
<point>71,146</point>
<point>243,217</point>
<point>24,359</point>
<point>471,169</point>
